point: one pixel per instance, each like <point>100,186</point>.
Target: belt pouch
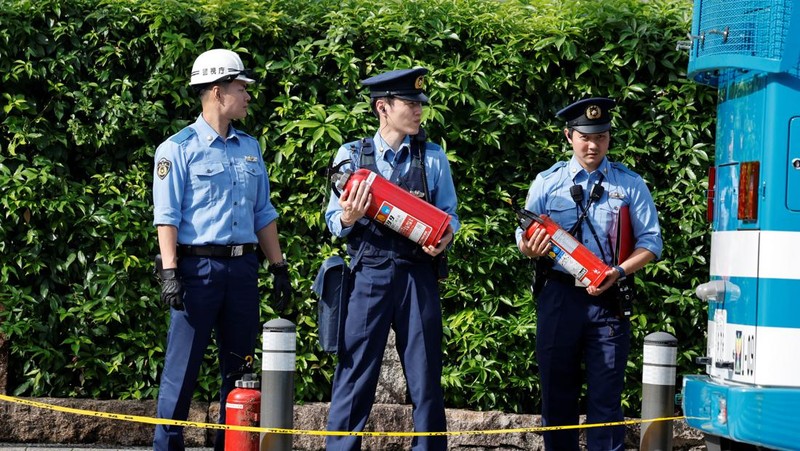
<point>331,286</point>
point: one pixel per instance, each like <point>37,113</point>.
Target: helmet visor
<point>245,75</point>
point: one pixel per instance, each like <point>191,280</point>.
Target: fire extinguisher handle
<point>528,216</point>
<point>339,180</point>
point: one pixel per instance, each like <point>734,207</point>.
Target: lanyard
<point>576,191</point>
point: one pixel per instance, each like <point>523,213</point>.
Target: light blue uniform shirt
<point>437,169</point>
<point>214,190</point>
<point>550,194</point>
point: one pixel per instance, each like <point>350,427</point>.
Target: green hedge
<point>91,87</point>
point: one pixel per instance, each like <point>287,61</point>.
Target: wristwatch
<point>621,272</point>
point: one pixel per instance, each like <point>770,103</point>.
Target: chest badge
<point>163,167</point>
<point>616,195</point>
<point>250,159</point>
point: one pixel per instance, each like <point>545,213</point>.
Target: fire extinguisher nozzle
<point>339,179</point>
<point>525,217</point>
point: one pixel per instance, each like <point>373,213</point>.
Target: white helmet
<point>218,65</point>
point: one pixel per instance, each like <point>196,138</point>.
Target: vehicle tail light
<point>748,191</point>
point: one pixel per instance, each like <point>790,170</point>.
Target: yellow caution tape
<point>164,421</point>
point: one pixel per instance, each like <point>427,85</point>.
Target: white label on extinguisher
<point>403,223</point>
<point>231,405</point>
<point>567,262</point>
<point>565,241</point>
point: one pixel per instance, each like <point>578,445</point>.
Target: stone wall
<point>3,361</point>
<point>3,364</point>
<point>21,423</point>
<point>24,424</point>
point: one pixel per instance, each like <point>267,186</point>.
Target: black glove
<point>171,288</point>
<point>281,286</point>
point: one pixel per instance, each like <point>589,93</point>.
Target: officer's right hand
<point>171,288</point>
<point>538,245</point>
<point>354,202</point>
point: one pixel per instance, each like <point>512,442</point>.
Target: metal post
<point>658,391</point>
<point>277,383</point>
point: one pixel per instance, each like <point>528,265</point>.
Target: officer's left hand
<point>281,286</point>
<point>611,276</point>
<point>171,288</point>
<point>447,237</point>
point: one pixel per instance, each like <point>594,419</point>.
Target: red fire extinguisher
<point>568,252</point>
<point>242,408</point>
<point>398,209</point>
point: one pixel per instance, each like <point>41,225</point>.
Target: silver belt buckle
<point>237,251</point>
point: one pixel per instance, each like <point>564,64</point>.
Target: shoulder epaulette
<point>621,167</point>
<point>244,134</point>
<point>433,147</point>
<point>182,135</point>
<point>553,168</point>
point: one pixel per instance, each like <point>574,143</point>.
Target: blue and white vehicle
<point>749,397</point>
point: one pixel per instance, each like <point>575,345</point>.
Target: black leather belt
<point>606,300</point>
<point>214,250</point>
<point>562,277</point>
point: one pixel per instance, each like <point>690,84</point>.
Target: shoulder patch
<point>163,167</point>
<point>182,135</point>
<point>553,168</point>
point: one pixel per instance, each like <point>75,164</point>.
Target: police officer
<point>577,324</point>
<point>212,212</point>
<point>393,282</point>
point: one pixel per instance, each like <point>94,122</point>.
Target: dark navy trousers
<point>580,334</point>
<point>220,294</point>
<point>404,296</point>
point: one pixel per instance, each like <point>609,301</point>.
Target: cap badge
<point>419,82</point>
<point>162,169</point>
<point>593,112</point>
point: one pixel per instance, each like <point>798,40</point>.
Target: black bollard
<point>658,391</point>
<point>277,383</point>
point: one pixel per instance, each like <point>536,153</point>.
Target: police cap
<point>589,115</point>
<point>402,83</point>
